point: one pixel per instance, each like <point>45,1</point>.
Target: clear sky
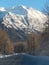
<point>37,4</point>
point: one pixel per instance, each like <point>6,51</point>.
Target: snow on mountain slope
<point>12,20</point>
<point>19,20</point>
<point>24,17</point>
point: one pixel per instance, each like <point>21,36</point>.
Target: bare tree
<point>45,35</point>
<point>6,47</point>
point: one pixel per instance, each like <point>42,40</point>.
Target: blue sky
<point>37,4</point>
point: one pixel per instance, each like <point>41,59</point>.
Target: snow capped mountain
<point>22,19</point>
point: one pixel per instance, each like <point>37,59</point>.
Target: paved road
<point>24,59</point>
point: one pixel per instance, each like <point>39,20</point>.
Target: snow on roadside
<point>3,56</point>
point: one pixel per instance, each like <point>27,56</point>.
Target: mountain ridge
<point>22,19</point>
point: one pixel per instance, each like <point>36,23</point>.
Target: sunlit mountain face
<point>20,20</point>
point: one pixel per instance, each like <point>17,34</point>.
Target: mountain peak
<point>24,17</point>
<point>20,9</point>
<point>22,20</point>
<point>18,6</point>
